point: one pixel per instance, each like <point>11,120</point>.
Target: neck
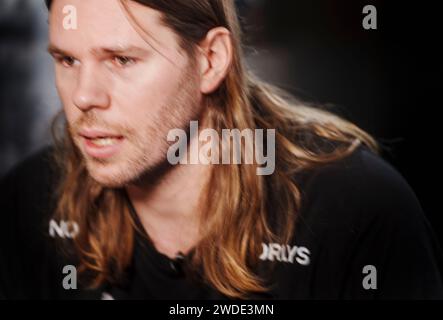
<point>168,205</point>
<point>175,195</point>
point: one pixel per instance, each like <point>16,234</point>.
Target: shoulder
<point>33,172</point>
<point>39,162</point>
<point>360,186</point>
<point>362,212</point>
<point>362,203</point>
<point>26,205</point>
<point>27,191</point>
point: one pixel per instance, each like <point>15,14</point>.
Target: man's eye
<point>67,61</point>
<point>123,61</point>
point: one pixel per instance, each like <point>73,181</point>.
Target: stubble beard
<point>147,156</point>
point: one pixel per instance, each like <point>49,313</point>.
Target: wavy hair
<point>241,210</point>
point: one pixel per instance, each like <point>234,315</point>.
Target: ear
<point>215,59</point>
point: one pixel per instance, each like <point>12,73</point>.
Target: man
<point>113,204</point>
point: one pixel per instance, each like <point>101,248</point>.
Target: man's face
<point>121,94</point>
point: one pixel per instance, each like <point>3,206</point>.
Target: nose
<point>90,92</point>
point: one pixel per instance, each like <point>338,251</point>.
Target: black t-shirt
<point>360,234</point>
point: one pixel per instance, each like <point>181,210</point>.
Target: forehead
<point>102,23</point>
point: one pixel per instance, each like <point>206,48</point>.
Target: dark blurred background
<point>386,80</point>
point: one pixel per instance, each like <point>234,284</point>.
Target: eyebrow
<point>52,49</point>
<point>117,50</point>
<point>120,50</point>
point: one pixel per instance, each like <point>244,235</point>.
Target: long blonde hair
<point>241,210</point>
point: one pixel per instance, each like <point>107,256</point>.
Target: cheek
<point>64,82</point>
<point>71,113</point>
<point>150,89</point>
<point>65,88</point>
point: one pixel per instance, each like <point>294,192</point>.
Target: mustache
<point>91,120</point>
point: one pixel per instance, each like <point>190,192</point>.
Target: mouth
<point>101,144</point>
<point>103,141</point>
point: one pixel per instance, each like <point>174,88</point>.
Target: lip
<point>101,152</point>
<point>97,133</point>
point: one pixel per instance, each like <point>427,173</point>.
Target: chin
<point>112,175</point>
<point>108,183</point>
<point>122,171</point>
<point>109,176</point>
